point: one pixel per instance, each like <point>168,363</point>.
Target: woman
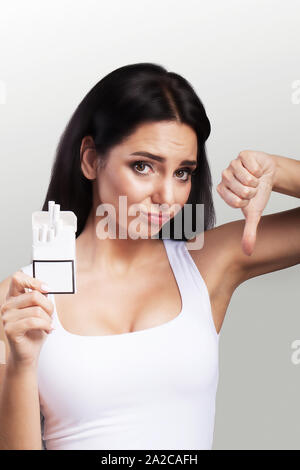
<point>132,362</point>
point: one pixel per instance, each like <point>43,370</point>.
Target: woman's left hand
<point>247,183</point>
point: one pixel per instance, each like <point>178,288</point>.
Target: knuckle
<point>34,296</point>
<point>37,311</point>
<point>257,171</point>
<point>225,174</point>
<point>31,322</point>
<point>246,192</point>
<point>3,309</point>
<point>237,202</point>
<point>16,277</point>
<point>243,153</point>
<point>4,319</point>
<point>220,190</point>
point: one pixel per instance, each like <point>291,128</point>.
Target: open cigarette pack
<point>54,248</point>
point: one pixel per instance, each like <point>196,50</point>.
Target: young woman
<point>132,362</point>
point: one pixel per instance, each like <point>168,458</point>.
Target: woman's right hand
<point>26,318</point>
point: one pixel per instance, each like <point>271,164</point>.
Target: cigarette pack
<point>54,248</point>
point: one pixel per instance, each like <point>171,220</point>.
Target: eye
<point>140,163</point>
<point>188,171</point>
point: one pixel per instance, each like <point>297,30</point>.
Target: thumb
<point>249,234</point>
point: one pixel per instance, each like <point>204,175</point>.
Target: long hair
<point>111,111</point>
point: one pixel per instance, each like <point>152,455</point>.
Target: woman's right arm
<point>24,321</point>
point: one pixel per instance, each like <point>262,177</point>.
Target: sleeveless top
<point>148,389</point>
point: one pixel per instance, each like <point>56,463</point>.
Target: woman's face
<point>153,185</point>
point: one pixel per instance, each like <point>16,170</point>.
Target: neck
<point>113,255</point>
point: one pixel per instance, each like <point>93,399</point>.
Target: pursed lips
<point>157,216</point>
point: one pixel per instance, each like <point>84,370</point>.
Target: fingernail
<point>45,287</point>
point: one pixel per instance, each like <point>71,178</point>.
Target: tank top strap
<point>186,272</point>
<point>190,281</point>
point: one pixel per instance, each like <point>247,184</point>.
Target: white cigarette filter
<point>44,233</point>
<point>56,211</point>
<point>50,210</point>
<point>54,248</point>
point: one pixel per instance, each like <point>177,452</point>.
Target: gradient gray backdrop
<point>242,57</point>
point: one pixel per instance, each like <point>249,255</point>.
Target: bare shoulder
<point>218,266</point>
<point>4,345</point>
<point>217,260</point>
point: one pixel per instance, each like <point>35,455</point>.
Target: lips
<point>157,217</point>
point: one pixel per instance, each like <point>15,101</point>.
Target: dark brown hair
<point>111,111</point>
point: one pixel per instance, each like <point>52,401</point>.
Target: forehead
<point>169,138</point>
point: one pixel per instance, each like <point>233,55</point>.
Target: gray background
<point>242,57</point>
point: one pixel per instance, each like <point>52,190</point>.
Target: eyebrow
<point>163,159</point>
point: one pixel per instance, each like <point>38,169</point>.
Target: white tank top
<point>148,389</point>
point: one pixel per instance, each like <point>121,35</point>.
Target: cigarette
<point>50,235</point>
<point>44,233</point>
<point>58,226</point>
<point>56,210</point>
<point>50,209</point>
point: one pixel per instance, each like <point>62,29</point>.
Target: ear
<point>88,158</point>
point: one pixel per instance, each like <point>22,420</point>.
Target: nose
<point>164,192</point>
